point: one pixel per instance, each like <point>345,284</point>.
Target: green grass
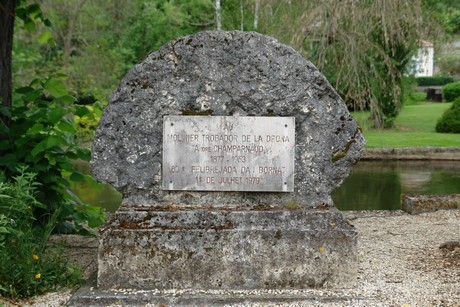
<point>414,127</point>
<point>414,98</point>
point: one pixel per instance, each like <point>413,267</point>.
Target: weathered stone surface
<point>416,204</point>
<point>77,249</point>
<point>450,245</point>
<point>202,249</point>
<point>412,153</point>
<point>225,74</point>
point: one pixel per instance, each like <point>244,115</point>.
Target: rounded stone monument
<point>224,74</point>
<point>171,234</point>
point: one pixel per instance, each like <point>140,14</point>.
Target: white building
<point>423,60</point>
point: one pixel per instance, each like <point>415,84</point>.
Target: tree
<point>218,18</point>
<point>363,47</point>
<point>153,24</point>
<point>256,14</point>
<point>38,133</point>
<point>67,35</point>
<point>447,13</point>
<point>7,15</point>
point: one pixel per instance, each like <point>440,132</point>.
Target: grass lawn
<point>414,127</point>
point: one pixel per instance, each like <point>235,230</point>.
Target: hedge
<point>451,91</point>
<point>450,120</point>
<point>433,81</point>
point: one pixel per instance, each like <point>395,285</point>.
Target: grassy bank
<point>414,127</point>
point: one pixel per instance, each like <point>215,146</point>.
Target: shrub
<point>450,120</point>
<point>41,137</point>
<point>87,124</point>
<point>433,81</point>
<point>451,91</point>
<point>414,98</point>
<point>28,267</point>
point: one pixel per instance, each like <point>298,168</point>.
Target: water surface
<point>370,186</point>
<point>378,185</point>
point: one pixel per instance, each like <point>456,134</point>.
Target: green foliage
<point>410,96</point>
<point>449,62</point>
<point>158,22</point>
<point>29,14</point>
<point>28,267</point>
<point>433,81</point>
<point>447,13</point>
<point>450,120</point>
<point>238,15</point>
<point>414,98</point>
<point>97,42</point>
<point>454,21</point>
<point>362,48</point>
<point>41,137</point>
<point>87,123</point>
<point>451,91</point>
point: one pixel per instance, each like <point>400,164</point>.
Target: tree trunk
<point>7,14</point>
<point>256,14</point>
<point>218,18</point>
<point>70,31</point>
<point>242,15</point>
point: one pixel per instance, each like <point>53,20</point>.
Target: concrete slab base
<point>88,295</point>
<point>218,249</point>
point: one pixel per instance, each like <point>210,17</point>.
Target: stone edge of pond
<point>412,153</point>
<point>416,204</point>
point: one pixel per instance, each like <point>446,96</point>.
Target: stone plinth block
<point>217,249</point>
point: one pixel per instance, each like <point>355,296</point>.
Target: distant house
<point>423,60</point>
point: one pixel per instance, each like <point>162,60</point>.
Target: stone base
<point>90,296</point>
<point>217,249</point>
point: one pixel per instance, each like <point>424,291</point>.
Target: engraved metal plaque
<point>228,153</point>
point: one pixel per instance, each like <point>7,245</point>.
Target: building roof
<point>423,43</point>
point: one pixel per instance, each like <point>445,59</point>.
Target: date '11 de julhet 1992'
<point>228,180</point>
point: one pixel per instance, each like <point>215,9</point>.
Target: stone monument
<point>226,147</point>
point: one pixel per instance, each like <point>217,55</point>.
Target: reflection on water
<point>106,197</point>
<point>371,185</point>
<point>378,185</point>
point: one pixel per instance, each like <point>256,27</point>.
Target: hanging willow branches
<point>363,47</point>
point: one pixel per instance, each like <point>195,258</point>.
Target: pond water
<point>378,185</point>
<point>106,196</point>
<point>371,185</point>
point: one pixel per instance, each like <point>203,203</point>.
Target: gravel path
<point>400,264</point>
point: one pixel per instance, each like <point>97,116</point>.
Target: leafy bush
<point>410,96</point>
<point>454,21</point>
<point>87,124</point>
<point>414,98</point>
<point>28,267</point>
<point>41,137</point>
<point>451,91</point>
<point>450,120</point>
<point>433,81</point>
